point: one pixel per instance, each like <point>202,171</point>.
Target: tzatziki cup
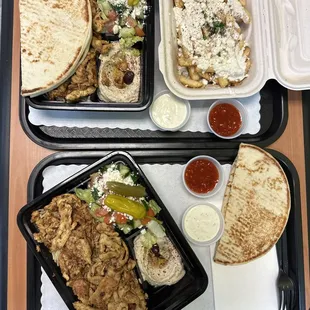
<point>169,112</point>
<point>203,224</point>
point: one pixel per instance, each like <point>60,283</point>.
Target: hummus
<point>111,85</point>
<point>163,269</point>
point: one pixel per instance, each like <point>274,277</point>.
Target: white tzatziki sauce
<point>168,111</point>
<point>202,223</point>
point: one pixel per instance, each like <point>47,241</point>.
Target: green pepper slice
<point>126,190</point>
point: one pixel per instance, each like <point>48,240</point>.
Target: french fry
<point>179,4</point>
<point>185,52</point>
<point>184,62</point>
<point>205,75</point>
<point>193,73</point>
<point>248,65</point>
<point>223,82</point>
<point>189,82</point>
<point>247,51</point>
<point>210,70</point>
<point>243,2</point>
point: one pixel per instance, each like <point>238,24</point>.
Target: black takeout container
<point>177,296</point>
<point>146,88</point>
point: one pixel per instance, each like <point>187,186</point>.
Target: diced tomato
<point>109,26</point>
<point>112,15</point>
<point>139,32</point>
<point>107,219</point>
<point>131,22</point>
<point>145,221</point>
<point>101,212</point>
<point>120,218</point>
<point>150,213</point>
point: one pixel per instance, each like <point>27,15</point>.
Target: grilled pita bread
<point>55,35</point>
<point>256,207</point>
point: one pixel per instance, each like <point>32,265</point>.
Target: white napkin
<point>246,287</point>
<point>140,120</point>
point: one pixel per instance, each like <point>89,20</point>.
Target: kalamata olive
<point>128,77</point>
<point>155,250</point>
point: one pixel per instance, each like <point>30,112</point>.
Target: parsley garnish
<point>218,27</point>
<point>119,8</point>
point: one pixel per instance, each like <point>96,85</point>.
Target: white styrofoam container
<point>279,37</point>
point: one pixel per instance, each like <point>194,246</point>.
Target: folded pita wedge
<point>55,35</point>
<point>256,207</point>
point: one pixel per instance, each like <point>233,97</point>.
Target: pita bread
<point>54,37</point>
<point>256,207</point>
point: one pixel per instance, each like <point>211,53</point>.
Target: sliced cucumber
<point>124,170</point>
<point>126,228</point>
<point>136,224</point>
<point>134,176</point>
<point>105,168</point>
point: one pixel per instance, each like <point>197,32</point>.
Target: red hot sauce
<point>201,176</point>
<point>225,119</point>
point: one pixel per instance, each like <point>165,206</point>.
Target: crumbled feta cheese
<point>143,231</point>
<point>116,29</point>
<point>112,219</point>
<point>111,174</point>
<point>219,50</point>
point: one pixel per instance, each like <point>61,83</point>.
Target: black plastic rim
<point>6,36</point>
<point>294,230</point>
<point>274,117</point>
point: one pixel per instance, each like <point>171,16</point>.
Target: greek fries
<point>211,47</point>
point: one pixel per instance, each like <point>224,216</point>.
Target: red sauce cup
<point>243,114</point>
<point>189,175</point>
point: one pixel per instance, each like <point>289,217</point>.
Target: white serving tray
<point>280,49</point>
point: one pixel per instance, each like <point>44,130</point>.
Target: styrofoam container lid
<point>280,49</point>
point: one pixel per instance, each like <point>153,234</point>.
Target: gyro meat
<point>92,257</point>
<point>82,84</point>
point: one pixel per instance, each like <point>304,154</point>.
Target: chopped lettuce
<point>154,206</point>
<point>85,195</point>
<point>127,32</point>
<point>129,42</point>
<point>156,229</point>
<point>104,7</point>
<point>148,240</point>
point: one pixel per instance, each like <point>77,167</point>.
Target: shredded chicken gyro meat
<point>92,257</point>
<point>82,84</point>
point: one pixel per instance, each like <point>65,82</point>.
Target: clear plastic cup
<point>188,109</point>
<point>220,229</point>
<point>243,112</point>
<point>217,187</point>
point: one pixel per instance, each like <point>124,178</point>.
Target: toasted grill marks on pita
<point>54,36</point>
<point>256,207</point>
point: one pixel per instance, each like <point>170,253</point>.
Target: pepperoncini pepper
<point>133,2</point>
<point>125,205</point>
<point>126,190</point>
